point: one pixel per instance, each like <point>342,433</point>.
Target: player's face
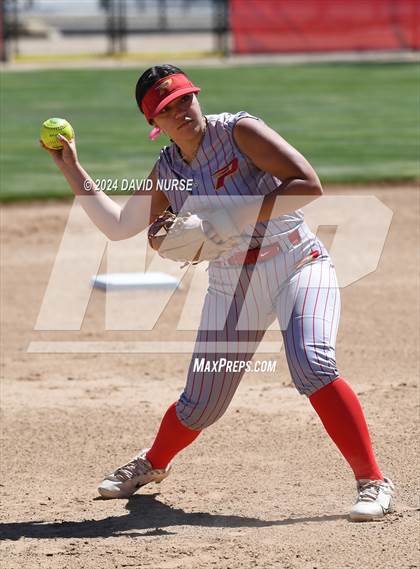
<point>182,119</point>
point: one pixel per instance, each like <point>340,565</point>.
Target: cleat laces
<point>368,492</point>
<point>135,467</point>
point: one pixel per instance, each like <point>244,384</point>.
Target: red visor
<point>164,92</point>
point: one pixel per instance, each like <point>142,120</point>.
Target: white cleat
<point>128,478</point>
<point>374,500</point>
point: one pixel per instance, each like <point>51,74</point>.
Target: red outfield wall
<point>267,26</point>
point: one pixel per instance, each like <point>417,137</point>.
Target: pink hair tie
<point>154,133</point>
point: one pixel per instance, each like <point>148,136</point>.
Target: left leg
<point>309,310</point>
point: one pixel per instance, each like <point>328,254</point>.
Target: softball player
<point>278,270</point>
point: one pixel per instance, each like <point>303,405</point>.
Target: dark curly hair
<point>149,78</point>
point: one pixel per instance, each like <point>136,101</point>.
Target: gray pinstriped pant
<point>241,303</point>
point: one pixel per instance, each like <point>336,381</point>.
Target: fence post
<point>122,26</point>
<point>163,15</point>
<point>110,26</point>
<point>4,51</point>
<point>221,25</point>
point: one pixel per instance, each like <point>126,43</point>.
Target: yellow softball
<point>49,130</point>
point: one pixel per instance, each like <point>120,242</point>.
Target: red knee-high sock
<point>342,416</point>
<point>172,437</point>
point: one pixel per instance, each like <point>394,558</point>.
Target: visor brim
<point>172,96</point>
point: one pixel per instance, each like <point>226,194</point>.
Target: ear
<point>153,123</point>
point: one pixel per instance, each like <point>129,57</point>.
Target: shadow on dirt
<point>147,517</point>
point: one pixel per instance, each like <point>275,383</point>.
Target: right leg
<point>212,381</point>
<point>216,369</point>
<point>218,362</point>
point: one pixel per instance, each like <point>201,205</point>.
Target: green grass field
<point>354,122</point>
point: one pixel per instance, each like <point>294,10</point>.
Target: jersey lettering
<point>224,172</point>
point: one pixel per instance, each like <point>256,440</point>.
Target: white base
<point>122,281</point>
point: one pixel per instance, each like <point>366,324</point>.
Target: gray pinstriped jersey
<point>220,169</point>
<point>241,302</point>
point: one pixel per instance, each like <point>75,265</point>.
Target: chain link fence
<point>53,28</point>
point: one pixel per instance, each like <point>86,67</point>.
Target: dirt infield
<point>264,487</point>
